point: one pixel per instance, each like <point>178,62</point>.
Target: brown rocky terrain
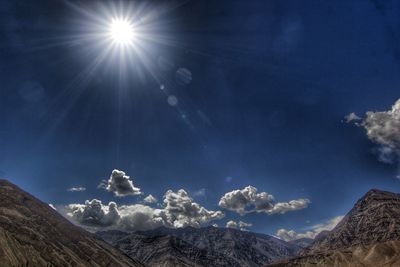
<point>33,234</point>
<point>385,254</point>
<point>369,235</point>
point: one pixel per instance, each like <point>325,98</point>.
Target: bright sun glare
<point>122,31</point>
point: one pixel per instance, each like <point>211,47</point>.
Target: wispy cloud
<point>200,193</point>
<point>76,189</point>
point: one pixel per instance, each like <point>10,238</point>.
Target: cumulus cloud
<point>94,213</point>
<point>179,210</point>
<point>283,207</point>
<point>52,206</point>
<point>383,128</point>
<point>243,226</point>
<point>289,235</point>
<point>231,224</point>
<point>141,217</point>
<point>120,184</point>
<point>76,189</point>
<point>150,199</point>
<point>248,200</point>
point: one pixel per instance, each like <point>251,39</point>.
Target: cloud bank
<point>179,211</point>
<point>247,200</point>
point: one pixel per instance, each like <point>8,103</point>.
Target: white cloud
<point>383,128</point>
<point>352,117</point>
<point>120,184</point>
<point>241,200</point>
<point>386,154</point>
<point>231,224</point>
<point>179,211</point>
<point>150,199</point>
<point>289,235</point>
<point>52,206</point>
<point>283,207</point>
<point>141,217</point>
<point>243,226</point>
<point>182,211</point>
<point>76,189</point>
<point>94,213</point>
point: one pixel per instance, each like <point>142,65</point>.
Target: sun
<point>122,31</point>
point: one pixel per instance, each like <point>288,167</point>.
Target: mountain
<point>34,234</point>
<point>374,218</point>
<point>302,242</point>
<point>369,235</point>
<point>167,250</point>
<point>208,246</point>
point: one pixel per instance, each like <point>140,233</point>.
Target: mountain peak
<point>374,218</point>
<point>378,192</point>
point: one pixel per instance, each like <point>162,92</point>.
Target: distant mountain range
<point>209,246</point>
<point>34,234</point>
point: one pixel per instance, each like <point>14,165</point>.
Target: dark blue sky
<point>271,83</point>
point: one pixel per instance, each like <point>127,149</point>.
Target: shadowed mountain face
<point>169,250</point>
<point>33,234</point>
<point>209,246</point>
<point>369,235</point>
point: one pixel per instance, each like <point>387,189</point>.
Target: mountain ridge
<point>239,248</point>
<point>33,234</point>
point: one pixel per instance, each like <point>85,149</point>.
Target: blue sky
<point>271,82</point>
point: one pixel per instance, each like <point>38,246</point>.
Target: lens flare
<point>122,31</point>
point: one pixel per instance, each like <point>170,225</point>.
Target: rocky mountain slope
<point>369,235</point>
<point>374,218</point>
<point>385,254</point>
<point>209,246</point>
<point>33,234</point>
